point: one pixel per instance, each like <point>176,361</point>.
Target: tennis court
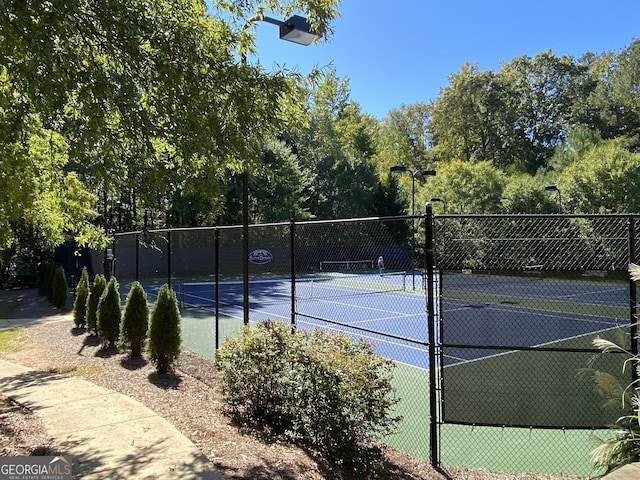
<point>385,310</point>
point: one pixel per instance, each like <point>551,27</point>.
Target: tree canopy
<point>119,115</point>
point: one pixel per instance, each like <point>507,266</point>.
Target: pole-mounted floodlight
<point>295,29</point>
<point>298,30</point>
<point>398,169</point>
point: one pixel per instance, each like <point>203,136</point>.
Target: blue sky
<point>399,52</point>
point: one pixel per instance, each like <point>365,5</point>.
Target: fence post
<point>137,257</point>
<point>216,259</point>
<point>433,425</point>
<point>169,258</point>
<point>633,305</point>
<point>292,253</point>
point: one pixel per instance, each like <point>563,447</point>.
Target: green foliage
<point>45,275</point>
<point>466,187</point>
<point>95,292</point>
<point>257,375</point>
<point>326,391</point>
<point>80,303</point>
<point>525,194</point>
<point>344,396</point>
<point>606,179</point>
<point>624,446</point>
<point>164,333</point>
<point>59,288</point>
<point>109,314</point>
<point>135,321</point>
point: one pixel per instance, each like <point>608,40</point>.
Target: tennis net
<point>264,292</point>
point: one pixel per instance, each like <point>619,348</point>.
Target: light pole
<point>554,188</point>
<point>414,174</point>
<point>297,30</point>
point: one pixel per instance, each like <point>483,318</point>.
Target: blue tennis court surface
<point>390,314</point>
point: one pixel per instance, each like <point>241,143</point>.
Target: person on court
<point>380,264</point>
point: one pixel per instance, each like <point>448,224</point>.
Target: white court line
<point>606,290</point>
<point>564,315</point>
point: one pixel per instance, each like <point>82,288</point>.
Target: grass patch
<point>13,340</point>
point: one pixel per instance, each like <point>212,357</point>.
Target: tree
<point>109,314</point>
<point>136,101</point>
<point>95,292</point>
<point>616,96</point>
<point>164,333</point>
<point>59,288</point>
<point>466,187</point>
<point>526,194</point>
<point>605,180</point>
<point>135,321</point>
<point>276,185</point>
<point>80,303</point>
<point>467,117</point>
<point>337,150</point>
<point>404,138</point>
<point>542,93</point>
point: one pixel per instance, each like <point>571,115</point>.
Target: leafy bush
<point>95,292</point>
<point>135,321</point>
<point>80,303</point>
<point>624,447</point>
<point>328,391</point>
<point>257,375</point>
<point>344,397</point>
<point>164,332</point>
<point>59,288</point>
<point>109,314</point>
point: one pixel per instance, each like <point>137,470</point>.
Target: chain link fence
<point>523,298</point>
<point>495,372</point>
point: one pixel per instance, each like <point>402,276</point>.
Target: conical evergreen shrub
<point>59,288</point>
<point>135,321</point>
<point>95,292</point>
<point>109,314</point>
<point>42,278</point>
<point>164,333</point>
<point>80,303</point>
<point>47,281</point>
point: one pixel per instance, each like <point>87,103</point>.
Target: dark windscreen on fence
<point>522,302</point>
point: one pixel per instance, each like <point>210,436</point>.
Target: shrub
<point>109,314</point>
<point>164,332</point>
<point>45,278</point>
<point>328,391</point>
<point>42,267</point>
<point>135,321</point>
<point>345,397</point>
<point>59,288</point>
<point>95,292</point>
<point>257,375</point>
<point>80,303</point>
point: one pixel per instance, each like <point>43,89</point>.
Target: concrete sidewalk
<point>107,434</point>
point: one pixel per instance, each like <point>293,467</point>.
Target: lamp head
<point>297,30</point>
<point>398,169</point>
